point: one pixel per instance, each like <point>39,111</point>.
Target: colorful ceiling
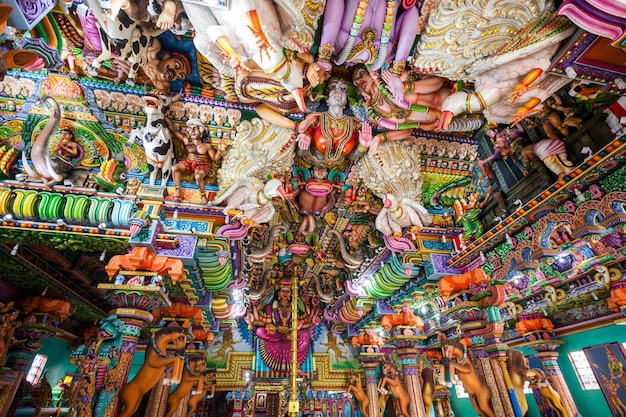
<point>366,183</point>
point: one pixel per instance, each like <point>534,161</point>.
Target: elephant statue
<point>454,283</point>
<point>405,318</point>
<point>47,167</point>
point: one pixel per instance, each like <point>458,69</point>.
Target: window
<point>583,370</point>
<point>36,369</point>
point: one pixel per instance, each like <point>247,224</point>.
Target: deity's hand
<point>316,74</point>
<point>395,84</point>
<point>375,144</point>
<point>304,141</point>
<point>271,329</point>
<point>365,135</point>
<point>523,113</point>
<point>262,42</point>
<point>519,91</point>
<point>221,147</point>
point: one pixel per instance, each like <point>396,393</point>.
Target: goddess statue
<point>274,328</point>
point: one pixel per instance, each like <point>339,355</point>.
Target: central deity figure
<point>274,331</point>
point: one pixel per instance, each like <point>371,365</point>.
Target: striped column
<point>549,360</point>
<point>408,359</point>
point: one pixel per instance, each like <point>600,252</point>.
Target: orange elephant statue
<point>617,300</point>
<point>144,259</point>
<point>451,284</point>
<point>533,323</point>
<point>368,338</point>
<point>405,318</point>
<point>178,310</point>
<point>58,309</point>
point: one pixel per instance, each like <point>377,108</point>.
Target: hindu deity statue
<point>356,31</point>
<point>274,321</point>
<point>331,138</point>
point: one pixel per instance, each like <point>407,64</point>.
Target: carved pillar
<point>158,399</point>
<point>30,335</point>
<point>483,327</point>
<point>369,362</point>
<point>406,340</point>
<point>546,353</point>
<point>134,320</point>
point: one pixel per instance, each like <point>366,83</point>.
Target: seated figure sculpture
<point>274,322</point>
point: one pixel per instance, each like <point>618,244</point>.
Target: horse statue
<point>194,373</point>
<point>552,398</point>
<point>360,395</point>
<point>459,364</point>
<point>517,364</point>
<point>198,395</point>
<point>391,380</point>
<point>156,360</point>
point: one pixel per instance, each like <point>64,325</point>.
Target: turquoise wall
<point>58,353</point>
<point>463,407</point>
<point>589,403</point>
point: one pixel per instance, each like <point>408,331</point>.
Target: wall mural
<point>607,363</point>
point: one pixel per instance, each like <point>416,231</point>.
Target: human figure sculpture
<point>363,31</point>
<point>547,117</point>
<point>356,388</point>
<point>418,107</point>
<point>67,147</point>
<point>468,211</point>
<point>163,67</point>
<point>315,196</point>
<point>552,153</point>
<point>274,327</point>
<point>503,142</point>
<point>199,157</point>
<point>538,380</point>
<point>331,138</point>
<point>517,366</point>
<point>459,365</point>
<point>8,324</point>
<point>391,382</point>
<point>249,34</point>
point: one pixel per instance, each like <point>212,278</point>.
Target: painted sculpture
<point>428,388</point>
<point>452,284</point>
<point>273,330</point>
<point>458,363</point>
<point>468,211</point>
<point>314,197</point>
<point>517,366</point>
<point>8,324</point>
<point>332,138</point>
<point>552,153</point>
<point>200,156</point>
<point>48,165</point>
<point>394,175</point>
<point>199,395</point>
<point>15,58</point>
<point>552,398</point>
<point>156,137</point>
<point>97,361</point>
<point>356,388</point>
<point>405,318</point>
<point>193,375</point>
<point>365,31</point>
<point>257,45</point>
<point>143,259</point>
<point>246,167</point>
<point>390,381</point>
<point>156,361</point>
